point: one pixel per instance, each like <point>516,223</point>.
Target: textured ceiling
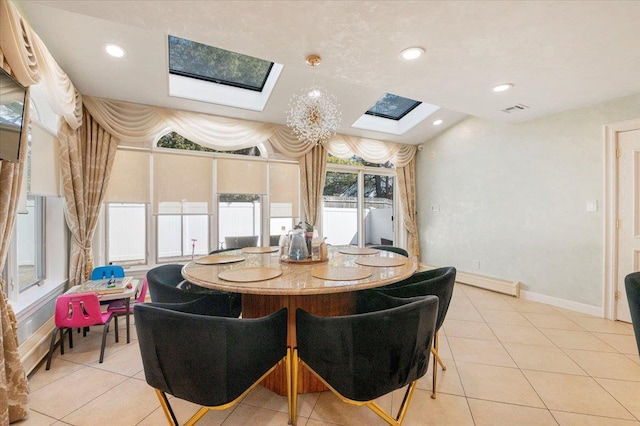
<point>559,54</point>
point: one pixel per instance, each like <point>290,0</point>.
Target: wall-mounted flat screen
<point>12,99</point>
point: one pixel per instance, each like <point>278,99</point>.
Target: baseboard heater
<point>498,285</point>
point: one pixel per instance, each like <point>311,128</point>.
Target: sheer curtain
<point>86,160</point>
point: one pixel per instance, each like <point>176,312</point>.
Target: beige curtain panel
<point>86,159</point>
<point>407,189</point>
<point>14,387</point>
<point>313,173</point>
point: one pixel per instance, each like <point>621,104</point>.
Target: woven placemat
<point>357,250</point>
<point>381,261</point>
<point>340,273</point>
<point>217,259</point>
<point>246,275</point>
<point>260,249</point>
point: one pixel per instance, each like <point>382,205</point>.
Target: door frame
<point>611,211</point>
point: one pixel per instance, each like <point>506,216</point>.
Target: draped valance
<point>31,63</point>
<point>144,124</point>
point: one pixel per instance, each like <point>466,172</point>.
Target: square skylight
<point>197,60</point>
<point>210,74</point>
<point>393,107</point>
<point>394,114</point>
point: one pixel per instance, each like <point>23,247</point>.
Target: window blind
<point>283,190</point>
<point>241,176</point>
<point>129,182</point>
<point>182,184</point>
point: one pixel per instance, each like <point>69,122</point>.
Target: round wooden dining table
<point>325,288</point>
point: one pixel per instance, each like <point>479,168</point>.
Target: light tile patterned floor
<point>509,362</point>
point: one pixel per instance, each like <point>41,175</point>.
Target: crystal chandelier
<point>313,115</point>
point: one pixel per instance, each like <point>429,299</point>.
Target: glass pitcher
<point>298,246</point>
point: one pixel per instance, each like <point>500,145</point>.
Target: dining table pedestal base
<point>328,304</point>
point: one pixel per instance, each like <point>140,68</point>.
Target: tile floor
<point>509,362</point>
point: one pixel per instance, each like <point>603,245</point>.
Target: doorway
<point>622,242</point>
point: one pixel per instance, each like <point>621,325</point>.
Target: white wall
<point>509,200</point>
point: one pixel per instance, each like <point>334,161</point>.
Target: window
<point>182,237</point>
<point>340,208</point>
<point>239,215</point>
<point>394,115</point>
<point>393,107</point>
<point>358,199</point>
<point>378,209</point>
<point>209,74</point>
<point>30,243</point>
<point>175,141</point>
<point>196,60</point>
<point>127,233</point>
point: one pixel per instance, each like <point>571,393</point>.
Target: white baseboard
<point>513,288</point>
<point>36,347</point>
<point>583,308</point>
<point>498,285</point>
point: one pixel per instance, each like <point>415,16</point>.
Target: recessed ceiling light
<point>412,53</point>
<point>502,87</point>
<point>437,122</point>
<point>115,50</point>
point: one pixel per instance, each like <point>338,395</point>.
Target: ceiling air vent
<point>515,108</point>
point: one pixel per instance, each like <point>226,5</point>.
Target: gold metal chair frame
<point>168,411</point>
<point>292,366</point>
<point>436,360</point>
<point>293,400</point>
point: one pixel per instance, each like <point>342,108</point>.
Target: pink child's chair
<point>79,311</point>
<point>118,307</point>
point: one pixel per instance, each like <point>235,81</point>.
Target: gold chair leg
<point>405,402</point>
<point>295,364</point>
<point>434,378</point>
<point>164,403</point>
<point>436,360</point>
<point>436,344</point>
<point>289,373</point>
<point>197,416</point>
<point>402,411</point>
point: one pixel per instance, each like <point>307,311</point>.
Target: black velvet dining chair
<point>632,286</point>
<point>437,282</point>
<point>163,284</point>
<point>362,357</point>
<point>216,251</point>
<point>205,359</point>
<point>241,242</point>
<point>398,250</point>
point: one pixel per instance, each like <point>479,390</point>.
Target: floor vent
<point>515,108</point>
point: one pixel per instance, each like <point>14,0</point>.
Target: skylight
<point>392,107</point>
<point>394,115</point>
<point>190,59</point>
<point>217,76</point>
